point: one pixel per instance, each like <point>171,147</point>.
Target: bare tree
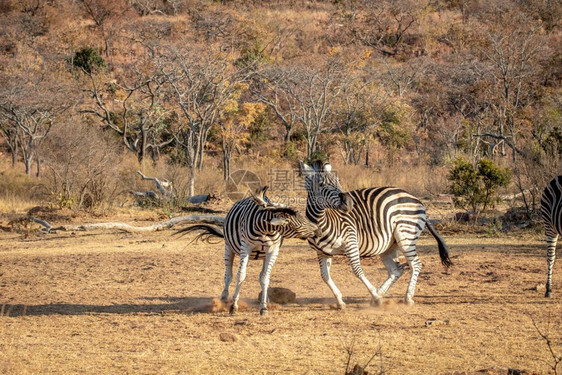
<point>234,129</point>
<point>82,163</point>
<point>276,93</point>
<point>132,105</point>
<point>306,96</point>
<point>32,101</point>
<point>11,133</point>
<point>510,53</point>
<point>316,93</point>
<point>356,117</point>
<point>101,13</point>
<point>384,24</point>
<point>199,85</point>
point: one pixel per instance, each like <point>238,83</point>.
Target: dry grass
<point>13,204</point>
<point>18,192</point>
<point>420,180</point>
<point>90,302</point>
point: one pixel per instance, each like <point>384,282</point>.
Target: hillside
<point>190,91</point>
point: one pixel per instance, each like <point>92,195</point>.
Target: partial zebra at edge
<point>551,212</point>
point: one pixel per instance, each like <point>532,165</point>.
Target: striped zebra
<point>551,212</point>
<point>364,223</point>
<point>254,228</point>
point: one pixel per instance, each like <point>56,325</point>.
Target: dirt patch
<point>95,302</point>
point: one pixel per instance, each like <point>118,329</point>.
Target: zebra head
<point>323,187</point>
<point>291,223</point>
<point>285,220</point>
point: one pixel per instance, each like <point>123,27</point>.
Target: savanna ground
<point>115,302</point>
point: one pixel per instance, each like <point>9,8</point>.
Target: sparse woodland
<point>108,107</point>
<point>93,90</point>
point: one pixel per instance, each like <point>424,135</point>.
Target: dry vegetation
<point>90,302</point>
<point>391,92</point>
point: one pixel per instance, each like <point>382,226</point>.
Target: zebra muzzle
<point>346,203</point>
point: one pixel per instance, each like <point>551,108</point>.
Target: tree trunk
<point>144,144</point>
<point>310,146</point>
<point>38,165</point>
<point>191,182</point>
<point>13,147</point>
<point>226,156</point>
<point>14,157</point>
<point>167,224</point>
<point>28,160</point>
<point>288,133</point>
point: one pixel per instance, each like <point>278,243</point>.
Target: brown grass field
<point>121,303</point>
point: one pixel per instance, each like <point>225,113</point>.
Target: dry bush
<point>209,179</point>
<point>83,166</point>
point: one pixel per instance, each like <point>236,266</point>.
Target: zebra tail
<point>209,231</point>
<point>443,251</point>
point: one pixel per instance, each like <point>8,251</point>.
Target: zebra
<point>551,212</point>
<point>254,228</point>
<point>364,223</point>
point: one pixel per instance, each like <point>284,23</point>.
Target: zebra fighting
<point>254,228</point>
<point>551,212</point>
<point>365,223</point>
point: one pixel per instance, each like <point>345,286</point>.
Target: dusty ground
<point>94,302</point>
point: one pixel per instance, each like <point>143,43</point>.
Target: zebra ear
<point>305,168</point>
<point>259,196</point>
<point>278,221</point>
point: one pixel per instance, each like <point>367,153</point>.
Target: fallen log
<point>201,210</point>
<point>167,224</point>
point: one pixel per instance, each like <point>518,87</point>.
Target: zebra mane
<point>318,165</point>
<point>265,204</point>
<point>280,210</point>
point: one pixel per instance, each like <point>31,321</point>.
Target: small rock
<point>228,337</point>
<point>280,295</point>
<point>435,322</point>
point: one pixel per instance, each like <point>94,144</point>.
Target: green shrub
<point>476,187</point>
<point>88,59</point>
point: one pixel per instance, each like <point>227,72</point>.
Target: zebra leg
<point>244,256</point>
<point>393,268</point>
<point>265,274</point>
<point>228,262</point>
<point>352,253</point>
<point>406,236</point>
<point>408,247</point>
<point>325,265</point>
<point>551,240</point>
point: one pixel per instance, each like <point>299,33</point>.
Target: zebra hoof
<point>233,309</point>
<point>548,294</point>
<point>376,301</point>
<point>264,311</point>
<point>341,306</point>
<point>408,301</point>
